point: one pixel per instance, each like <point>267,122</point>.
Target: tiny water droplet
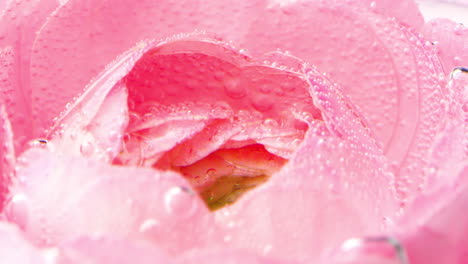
<point>87,148</point>
<point>234,88</point>
<point>148,225</point>
<point>211,172</point>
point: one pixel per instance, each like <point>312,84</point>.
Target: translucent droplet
<point>17,210</point>
<point>179,201</point>
<point>148,225</point>
<point>234,88</point>
<point>371,250</point>
<point>87,148</point>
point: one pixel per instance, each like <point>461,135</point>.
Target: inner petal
<point>222,120</point>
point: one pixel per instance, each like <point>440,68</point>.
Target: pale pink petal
<point>20,20</point>
<point>451,40</point>
<point>7,156</point>
<point>216,255</point>
<point>435,227</point>
<point>336,186</point>
<point>90,41</point>
<point>14,248</point>
<point>391,75</point>
<point>93,124</point>
<point>12,96</point>
<point>59,198</point>
<point>451,144</point>
<point>406,11</point>
<point>91,35</point>
<point>105,250</point>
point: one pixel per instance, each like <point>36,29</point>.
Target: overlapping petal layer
<point>61,197</point>
<point>7,156</point>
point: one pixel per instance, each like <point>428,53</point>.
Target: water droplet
<point>17,210</point>
<point>234,88</point>
<point>269,122</point>
<point>87,148</point>
<point>211,172</point>
<point>263,103</point>
<point>179,202</point>
<point>148,225</point>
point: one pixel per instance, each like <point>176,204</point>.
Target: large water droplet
<point>17,210</point>
<point>180,201</point>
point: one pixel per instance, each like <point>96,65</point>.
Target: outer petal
<point>60,198</point>
<point>13,97</point>
<point>105,250</point>
<point>335,187</point>
<point>435,230</point>
<point>390,74</point>
<point>15,249</point>
<point>228,256</point>
<point>20,22</point>
<point>452,42</point>
<point>108,29</point>
<point>7,156</point>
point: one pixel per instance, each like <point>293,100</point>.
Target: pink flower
<point>261,131</point>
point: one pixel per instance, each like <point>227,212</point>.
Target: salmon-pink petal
<point>337,185</point>
<point>59,197</point>
<point>450,39</point>
<point>108,250</point>
<point>228,96</point>
<point>14,248</point>
<point>7,156</point>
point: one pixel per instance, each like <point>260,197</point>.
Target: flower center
<point>224,175</point>
<point>223,121</point>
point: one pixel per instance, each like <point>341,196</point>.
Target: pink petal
<point>450,39</point>
<point>7,156</point>
<point>90,47</point>
<point>106,250</point>
<point>94,123</point>
<point>388,71</point>
<point>14,248</point>
<point>12,97</point>
<point>20,22</point>
<point>336,186</point>
<point>91,43</point>
<point>227,97</point>
<point>435,230</point>
<point>227,256</point>
<point>65,197</point>
<point>406,11</point>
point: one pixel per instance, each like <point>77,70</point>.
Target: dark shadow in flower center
<point>226,174</point>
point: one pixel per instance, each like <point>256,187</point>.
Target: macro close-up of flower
<point>234,131</point>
